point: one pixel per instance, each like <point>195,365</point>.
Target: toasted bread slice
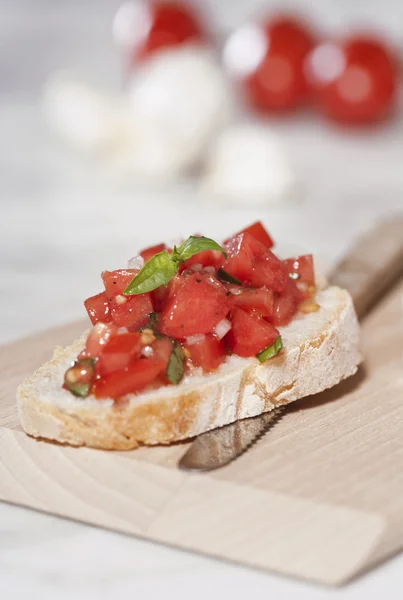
<point>320,349</point>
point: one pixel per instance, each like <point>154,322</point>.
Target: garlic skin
<point>247,166</point>
<point>182,96</point>
<point>81,115</point>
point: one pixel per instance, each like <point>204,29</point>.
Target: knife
<point>368,271</point>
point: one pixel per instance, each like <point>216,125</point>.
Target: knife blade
<point>367,272</point>
<point>219,447</point>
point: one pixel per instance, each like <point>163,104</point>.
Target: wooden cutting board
<point>320,497</point>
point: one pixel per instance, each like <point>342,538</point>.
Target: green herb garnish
<point>160,269</point>
<point>270,351</point>
<point>176,365</point>
<point>224,276</point>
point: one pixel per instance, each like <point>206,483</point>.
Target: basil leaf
<point>271,351</point>
<point>176,365</point>
<point>157,271</point>
<point>193,245</point>
<point>224,276</point>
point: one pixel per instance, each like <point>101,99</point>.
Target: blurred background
<point>127,124</point>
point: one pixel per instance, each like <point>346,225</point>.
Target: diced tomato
<point>162,349</point>
<point>158,297</point>
<point>97,339</point>
<point>116,282</point>
<point>251,262</point>
<point>303,266</point>
<point>197,307</point>
<point>206,258</point>
<point>259,300</point>
<point>119,351</point>
<point>250,333</point>
<point>258,231</point>
<point>286,304</point>
<point>98,308</point>
<point>208,353</point>
<point>269,270</point>
<point>133,378</point>
<point>148,253</point>
<point>131,311</point>
<point>242,250</point>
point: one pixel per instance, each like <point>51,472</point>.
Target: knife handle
<point>372,265</point>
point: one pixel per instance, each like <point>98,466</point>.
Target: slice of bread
<point>320,349</point>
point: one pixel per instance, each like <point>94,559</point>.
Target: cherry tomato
<point>98,308</point>
<point>149,26</point>
<point>250,333</point>
<point>268,59</point>
<point>354,80</point>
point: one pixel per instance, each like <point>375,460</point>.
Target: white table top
<point>62,221</point>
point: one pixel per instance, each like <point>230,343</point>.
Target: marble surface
<point>64,219</point>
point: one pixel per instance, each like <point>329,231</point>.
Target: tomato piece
<point>252,263</point>
<point>250,333</point>
<point>97,339</point>
<point>269,271</point>
<point>162,349</point>
<point>98,308</point>
<point>200,303</point>
<point>258,300</point>
<point>116,282</point>
<point>148,253</point>
<point>165,24</point>
<point>258,231</point>
<point>355,80</point>
<point>286,304</point>
<point>133,378</point>
<point>276,79</point>
<point>303,266</point>
<point>119,351</point>
<point>206,258</point>
<point>242,250</point>
<point>208,353</point>
<point>131,311</point>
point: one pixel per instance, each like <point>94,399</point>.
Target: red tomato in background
<point>98,308</point>
<point>157,25</point>
<point>200,303</point>
<point>354,80</point>
<point>250,333</point>
<point>208,353</point>
<point>268,58</point>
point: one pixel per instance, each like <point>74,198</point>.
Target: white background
<point>64,219</point>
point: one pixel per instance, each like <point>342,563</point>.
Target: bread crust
<point>320,349</point>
